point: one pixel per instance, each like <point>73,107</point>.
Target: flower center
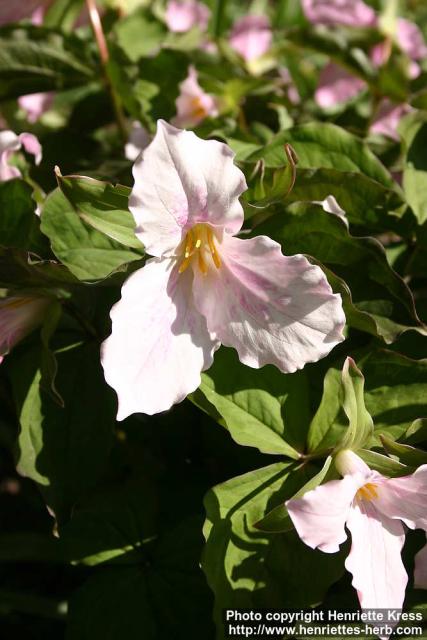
<point>199,244</point>
<point>368,492</point>
<point>198,110</point>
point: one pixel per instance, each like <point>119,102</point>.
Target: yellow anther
<point>201,240</point>
<point>212,247</point>
<point>368,492</point>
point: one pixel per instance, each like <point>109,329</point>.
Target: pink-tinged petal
<point>181,180</point>
<point>374,561</point>
<point>251,36</point>
<point>159,343</point>
<point>336,85</point>
<point>36,104</point>
<point>9,143</point>
<point>420,571</point>
<point>320,515</point>
<point>139,139</point>
<point>31,145</point>
<point>410,39</point>
<point>387,118</point>
<point>353,13</point>
<point>15,11</point>
<point>273,309</point>
<point>19,315</point>
<point>183,15</point>
<point>405,498</point>
<point>193,105</point>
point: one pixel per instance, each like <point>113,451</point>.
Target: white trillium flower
<point>204,286</point>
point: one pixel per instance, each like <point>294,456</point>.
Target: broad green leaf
<point>65,450</point>
<point>361,262</point>
<point>360,428</point>
<point>249,569</point>
<point>156,585</point>
<point>365,201</point>
<point>323,146</point>
<point>329,422</point>
<point>102,206</point>
<point>406,454</point>
<point>34,59</point>
<point>88,253</point>
<point>19,225</point>
<point>417,432</point>
<point>139,34</point>
<point>413,130</point>
<point>383,464</point>
<point>395,391</point>
<point>278,520</point>
<point>342,419</point>
<point>261,408</point>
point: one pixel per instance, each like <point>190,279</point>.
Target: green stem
<point>96,23</point>
<point>217,18</point>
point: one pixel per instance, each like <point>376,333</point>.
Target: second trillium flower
<point>204,286</point>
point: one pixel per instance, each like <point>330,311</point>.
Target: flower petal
<point>31,145</point>
<point>183,15</point>
<point>193,105</point>
<point>420,571</point>
<point>9,143</point>
<point>336,85</point>
<point>273,309</point>
<point>320,515</point>
<point>251,36</point>
<point>159,343</point>
<point>36,104</point>
<point>374,560</point>
<point>181,180</point>
<point>353,13</point>
<point>405,498</point>
<point>18,317</point>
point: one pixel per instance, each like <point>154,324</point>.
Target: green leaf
<point>278,520</point>
<point>145,579</point>
<point>88,253</point>
<point>260,408</point>
<point>139,34</point>
<point>396,399</point>
<point>329,422</point>
<point>406,454</point>
<point>360,429</point>
<point>376,289</point>
<point>366,202</point>
<point>323,146</point>
<point>49,366</point>
<point>249,569</point>
<point>34,59</point>
<point>102,206</point>
<point>19,224</point>
<point>384,465</point>
<point>65,450</point>
<point>413,131</point>
<point>341,419</point>
<point>417,432</point>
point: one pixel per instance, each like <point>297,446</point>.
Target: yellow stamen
<point>184,264</point>
<point>202,264</point>
<point>201,240</point>
<point>197,109</point>
<point>212,247</point>
<point>368,492</point>
<point>189,244</point>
